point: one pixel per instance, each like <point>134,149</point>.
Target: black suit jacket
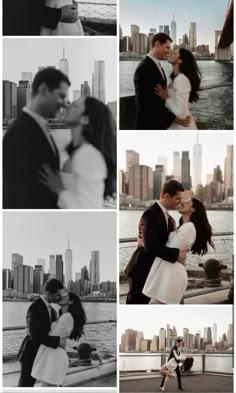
<point>174,348</point>
<point>25,150</point>
<point>26,17</point>
<point>154,233</point>
<point>38,325</point>
<point>151,113</point>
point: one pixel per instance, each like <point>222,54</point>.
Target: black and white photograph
<point>176,64</point>
<point>177,349</point>
<point>59,18</point>
<point>59,124</point>
<point>176,217</point>
<point>59,299</point>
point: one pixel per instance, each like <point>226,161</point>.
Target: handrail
<point>88,2</point>
<point>134,239</point>
<point>9,328</point>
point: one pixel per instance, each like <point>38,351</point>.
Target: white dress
<point>62,28</point>
<point>168,281</point>
<point>172,364</point>
<point>51,365</point>
<point>178,102</point>
<point>84,186</point>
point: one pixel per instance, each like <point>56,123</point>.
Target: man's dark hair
<point>179,340</point>
<point>51,77</point>
<point>161,37</point>
<point>171,187</point>
<point>52,286</point>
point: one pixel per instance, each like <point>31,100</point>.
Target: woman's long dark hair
<point>189,68</point>
<point>78,315</point>
<point>203,228</point>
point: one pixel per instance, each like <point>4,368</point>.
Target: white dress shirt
<point>165,211</point>
<point>158,63</point>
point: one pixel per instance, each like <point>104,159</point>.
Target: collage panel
<point>176,65</point>
<point>59,18</point>
<point>59,268</point>
<point>176,218</point>
<point>59,121</point>
<point>176,350</point>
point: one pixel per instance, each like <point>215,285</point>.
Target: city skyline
<point>152,14</point>
<point>39,235</point>
<point>179,316</point>
<point>154,146</point>
<point>81,56</point>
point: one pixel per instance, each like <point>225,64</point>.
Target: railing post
<point>203,363</point>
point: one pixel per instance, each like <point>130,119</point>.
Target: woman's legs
<point>167,373</point>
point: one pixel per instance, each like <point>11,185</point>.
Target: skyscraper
<point>38,279</point>
<point>85,90</point>
<point>185,170</point>
<point>173,31</point>
<point>177,166</point>
<point>94,271</point>
<point>229,172</point>
<point>6,278</point>
<point>41,262</point>
<point>134,30</point>
<point>140,43</point>
<point>76,95</point>
<point>214,333</point>
<point>161,29</point>
<point>132,158</point>
<point>167,30</point>
<point>23,96</point>
<point>138,343</point>
<point>23,279</point>
<point>9,100</point>
<point>230,335</point>
<point>193,37</point>
<point>162,339</point>
<point>159,178</point>
<point>68,264</point>
<point>99,80</point>
<point>27,76</point>
<point>52,266</point>
<point>130,340</point>
<point>197,165</point>
<point>59,268</point>
<point>64,64</point>
<point>16,259</point>
<point>141,182</point>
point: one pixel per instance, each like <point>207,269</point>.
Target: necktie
<point>170,223</point>
<point>52,314</point>
<point>161,70</point>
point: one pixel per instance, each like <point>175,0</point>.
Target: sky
<point>152,145</point>
<point>149,319</point>
<point>39,234</point>
<point>208,14</point>
<point>27,55</point>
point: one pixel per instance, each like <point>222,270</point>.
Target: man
<point>175,353</point>
<point>150,108</point>
<point>26,17</point>
<point>154,228</point>
<point>28,145</point>
<point>39,317</point>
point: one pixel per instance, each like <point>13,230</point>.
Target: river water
<point>214,106</point>
<point>221,221</point>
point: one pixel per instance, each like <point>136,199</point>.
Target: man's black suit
<point>177,370</point>
<point>26,17</point>
<point>38,325</point>
<point>154,234</point>
<point>25,150</point>
<point>151,113</point>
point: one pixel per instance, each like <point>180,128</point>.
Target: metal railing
<point>98,18</point>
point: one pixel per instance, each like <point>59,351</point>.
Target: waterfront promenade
<point>192,384</point>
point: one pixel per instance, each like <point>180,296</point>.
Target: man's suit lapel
<point>156,69</point>
<point>161,215</point>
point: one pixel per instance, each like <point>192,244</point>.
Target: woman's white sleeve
<point>179,102</point>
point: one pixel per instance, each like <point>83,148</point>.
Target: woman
<point>62,27</point>
<point>89,175</point>
<point>184,87</point>
<point>167,282</point>
<point>50,365</point>
<point>168,369</point>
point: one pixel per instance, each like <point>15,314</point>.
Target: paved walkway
<point>193,384</point>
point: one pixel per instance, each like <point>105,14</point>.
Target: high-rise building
<point>197,341</point>
<point>161,29</point>
<point>41,262</point>
<point>68,264</point>
<point>167,30</point>
<point>6,278</point>
<point>52,266</point>
<point>77,276</point>
<point>134,30</point>
<point>76,95</point>
<point>99,81</point>
<point>23,96</point>
<point>9,100</point>
<point>125,44</point>
<point>59,268</point>
<point>159,178</point>
<point>85,90</point>
<point>140,43</point>
<point>197,165</point>
<point>23,279</point>
<point>120,32</point>
<point>177,166</point>
<point>130,339</point>
<point>214,333</point>
<point>27,76</point>
<point>141,182</point>
<point>84,273</point>
<point>185,171</point>
<point>38,279</point>
<point>229,172</point>
<point>162,339</point>
<point>64,64</point>
<point>138,343</point>
<point>95,271</point>
<point>153,31</point>
<point>209,335</point>
<point>16,259</point>
<point>230,335</point>
<point>173,28</point>
<point>132,158</point>
<point>154,347</point>
<point>193,37</point>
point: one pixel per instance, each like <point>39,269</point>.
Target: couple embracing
<point>156,271</point>
<point>159,107</point>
